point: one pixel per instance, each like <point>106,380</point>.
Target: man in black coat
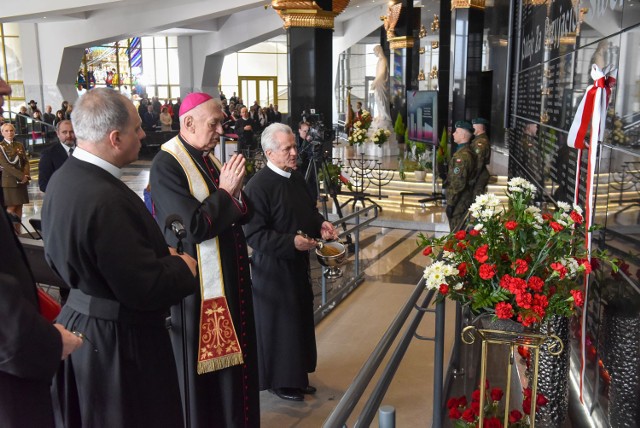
<point>283,297</point>
<point>31,347</point>
<point>55,155</point>
<point>245,127</point>
<point>107,247</point>
<point>220,383</point>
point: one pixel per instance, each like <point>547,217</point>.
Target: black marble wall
<point>310,71</point>
<point>556,44</point>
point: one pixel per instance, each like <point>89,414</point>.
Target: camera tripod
<point>318,162</point>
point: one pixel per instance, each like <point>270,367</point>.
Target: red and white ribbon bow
<point>591,111</point>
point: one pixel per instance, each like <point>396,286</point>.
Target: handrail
<point>329,303</point>
<point>353,394</point>
<point>374,401</point>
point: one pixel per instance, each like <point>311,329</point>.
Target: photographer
<point>305,145</point>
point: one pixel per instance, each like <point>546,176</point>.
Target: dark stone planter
<point>622,345</point>
<point>553,376</point>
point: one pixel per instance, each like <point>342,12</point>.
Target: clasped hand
<point>232,175</point>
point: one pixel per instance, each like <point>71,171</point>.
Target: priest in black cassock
<point>31,347</point>
<point>283,297</point>
<point>218,372</point>
<point>100,238</point>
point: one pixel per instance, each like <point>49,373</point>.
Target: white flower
<point>564,206</point>
<point>478,227</point>
<point>577,208</point>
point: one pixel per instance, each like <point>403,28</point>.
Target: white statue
<point>380,87</point>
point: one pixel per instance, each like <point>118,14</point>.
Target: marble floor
<point>347,336</point>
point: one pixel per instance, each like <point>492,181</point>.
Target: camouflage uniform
<point>481,147</point>
<point>462,170</point>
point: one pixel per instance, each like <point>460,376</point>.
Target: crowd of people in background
<point>157,116</point>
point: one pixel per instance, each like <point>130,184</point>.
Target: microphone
<point>174,222</point>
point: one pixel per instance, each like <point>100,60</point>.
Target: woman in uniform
<point>15,174</point>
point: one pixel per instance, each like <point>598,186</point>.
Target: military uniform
<point>462,170</point>
<point>481,147</point>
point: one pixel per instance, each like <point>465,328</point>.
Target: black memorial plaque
<point>557,90</point>
<point>529,93</point>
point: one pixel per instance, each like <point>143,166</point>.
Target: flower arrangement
<point>380,136</point>
<point>464,416</point>
<point>515,262</point>
<point>358,135</point>
<point>365,120</point>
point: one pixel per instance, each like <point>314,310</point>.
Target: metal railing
<point>328,303</point>
<point>352,396</point>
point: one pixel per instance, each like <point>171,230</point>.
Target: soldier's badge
<point>456,170</point>
<point>478,151</point>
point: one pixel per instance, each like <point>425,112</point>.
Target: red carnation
<point>504,310</point>
<point>541,400</point>
<point>514,416</point>
<point>454,413</point>
<point>462,269</point>
<point>524,300</point>
<point>475,406</point>
<point>462,401</point>
<point>496,394</point>
<point>468,415</point>
<point>535,283</point>
<point>474,232</point>
<point>511,225</point>
<point>444,289</point>
<point>460,235</point>
<point>452,403</point>
<point>475,395</point>
<point>577,218</point>
<point>578,298</point>
<point>481,253</point>
<point>492,422</point>
<point>487,271</point>
<point>521,266</point>
<point>556,226</point>
<point>547,216</point>
<point>461,245</point>
<point>559,267</point>
<point>427,251</point>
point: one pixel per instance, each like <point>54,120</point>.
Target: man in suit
<point>54,156</point>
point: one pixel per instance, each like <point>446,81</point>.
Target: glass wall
<point>135,66</point>
<point>11,66</point>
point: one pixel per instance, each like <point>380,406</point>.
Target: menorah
<point>365,174</point>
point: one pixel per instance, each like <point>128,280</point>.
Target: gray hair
<point>268,138</point>
<point>98,112</point>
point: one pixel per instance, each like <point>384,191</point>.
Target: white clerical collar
<point>85,156</point>
<point>277,170</point>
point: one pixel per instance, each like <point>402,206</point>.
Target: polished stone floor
<point>347,336</point>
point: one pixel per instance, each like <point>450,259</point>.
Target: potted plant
<point>399,129</point>
<point>380,137</point>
